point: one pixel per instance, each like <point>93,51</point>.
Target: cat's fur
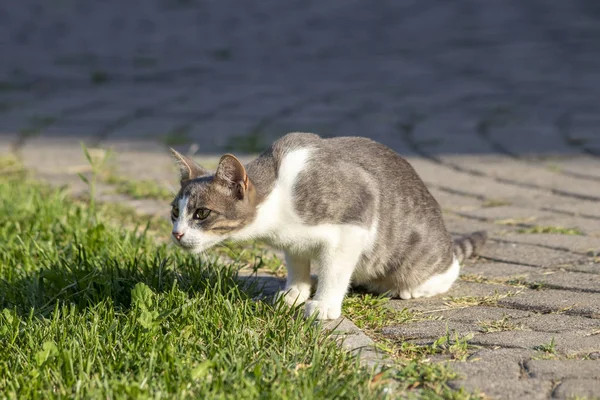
<point>350,206</point>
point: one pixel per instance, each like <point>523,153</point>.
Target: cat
<point>352,207</point>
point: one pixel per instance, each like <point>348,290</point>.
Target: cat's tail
<point>469,245</point>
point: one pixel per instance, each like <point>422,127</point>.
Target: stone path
<point>495,104</point>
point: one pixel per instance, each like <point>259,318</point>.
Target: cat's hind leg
<point>436,284</point>
<point>297,288</point>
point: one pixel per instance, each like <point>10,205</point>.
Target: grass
<point>500,325</point>
<point>551,229</point>
<point>253,142</point>
<point>90,308</point>
<point>36,124</point>
<point>178,136</point>
<point>470,301</point>
<point>254,255</point>
<point>99,77</point>
<point>371,313</point>
<point>519,281</point>
<point>495,203</point>
<point>138,189</point>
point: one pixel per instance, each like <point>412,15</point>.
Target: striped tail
<point>469,245</point>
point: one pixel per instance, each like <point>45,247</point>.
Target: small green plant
<point>97,165</point>
<point>549,348</point>
<point>496,117</point>
<point>495,203</point>
<point>178,136</point>
<point>99,77</point>
<point>501,325</point>
<point>453,345</point>
<point>470,301</point>
<point>144,62</point>
<point>36,124</point>
<point>551,229</point>
<point>252,143</point>
<point>222,54</point>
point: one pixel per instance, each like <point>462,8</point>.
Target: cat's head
<point>211,207</point>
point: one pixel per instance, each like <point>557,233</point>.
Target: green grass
<point>178,136</point>
<point>499,325</point>
<point>138,189</point>
<point>371,313</point>
<point>253,142</point>
<point>551,229</point>
<point>91,307</point>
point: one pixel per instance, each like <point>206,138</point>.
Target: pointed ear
<point>232,173</point>
<point>188,169</point>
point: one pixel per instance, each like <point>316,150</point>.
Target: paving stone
<point>569,280</point>
<point>530,217</point>
<point>567,343</point>
<point>554,300</point>
<point>438,303</point>
<point>573,243</point>
<point>501,166</point>
<point>563,369</point>
<point>577,388</point>
<point>530,255</point>
<point>507,389</point>
<point>498,270</point>
<point>478,314</point>
<point>429,329</point>
<point>559,323</point>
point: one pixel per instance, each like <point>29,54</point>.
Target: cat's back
<point>343,179</point>
<point>351,158</point>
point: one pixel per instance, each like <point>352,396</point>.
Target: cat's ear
<point>188,169</point>
<point>231,172</point>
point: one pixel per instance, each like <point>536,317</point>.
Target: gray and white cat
<point>350,206</point>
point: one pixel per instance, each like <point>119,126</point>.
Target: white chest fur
<point>278,223</point>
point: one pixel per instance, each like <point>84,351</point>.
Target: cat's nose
<point>178,235</point>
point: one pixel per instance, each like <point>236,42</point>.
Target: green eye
<point>201,213</point>
<point>175,213</point>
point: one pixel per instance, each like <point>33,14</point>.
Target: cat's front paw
<point>322,309</point>
<point>293,296</point>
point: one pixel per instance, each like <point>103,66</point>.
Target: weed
<point>99,77</point>
<point>551,229</point>
<point>501,325</point>
<point>97,165</point>
<point>547,348</point>
<point>222,54</point>
<point>470,301</point>
<point>251,143</point>
<point>372,313</point>
<point>178,136</point>
<point>36,124</point>
<point>515,221</point>
<point>144,62</point>
<point>495,203</point>
<point>454,346</point>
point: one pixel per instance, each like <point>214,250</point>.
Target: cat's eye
<point>201,213</point>
<point>175,213</point>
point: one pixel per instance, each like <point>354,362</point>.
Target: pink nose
<point>178,235</point>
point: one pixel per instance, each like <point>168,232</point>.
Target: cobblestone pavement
<point>495,103</point>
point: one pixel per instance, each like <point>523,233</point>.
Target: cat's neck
<point>262,172</point>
